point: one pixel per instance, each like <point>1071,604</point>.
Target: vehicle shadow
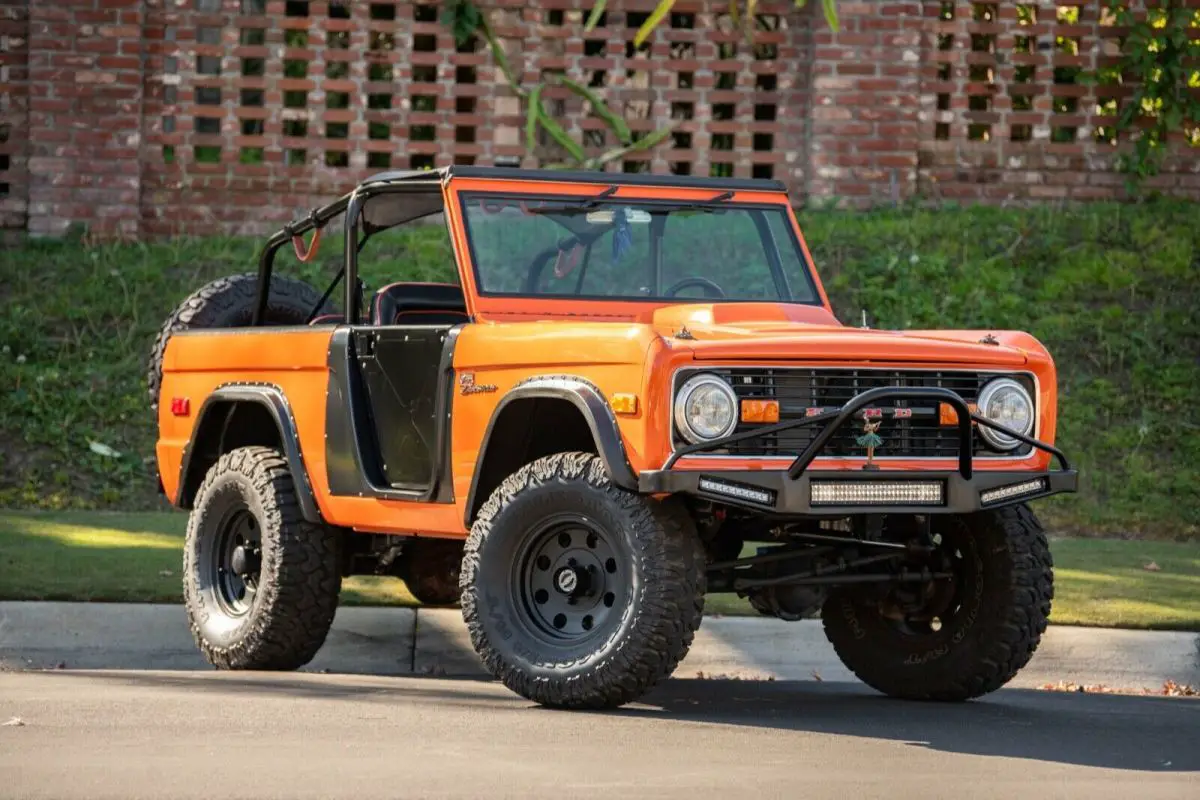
<point>1140,733</point>
<point>1099,730</point>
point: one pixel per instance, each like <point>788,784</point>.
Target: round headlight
<point>705,409</point>
<point>1004,401</point>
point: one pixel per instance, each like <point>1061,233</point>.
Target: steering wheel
<point>711,288</point>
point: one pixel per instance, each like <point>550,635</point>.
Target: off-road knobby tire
<point>656,625</point>
<point>299,579</point>
<point>1009,589</point>
<point>229,303</point>
<point>431,569</point>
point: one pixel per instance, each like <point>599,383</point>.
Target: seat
<point>415,303</point>
<point>327,319</point>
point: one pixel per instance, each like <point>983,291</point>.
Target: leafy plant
<point>744,18</point>
<point>465,20</point>
<point>1159,60</point>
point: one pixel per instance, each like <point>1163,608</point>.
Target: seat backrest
<point>415,303</point>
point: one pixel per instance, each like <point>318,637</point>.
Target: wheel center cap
<point>243,561</point>
<point>567,580</point>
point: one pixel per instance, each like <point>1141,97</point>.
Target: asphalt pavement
<point>133,734</point>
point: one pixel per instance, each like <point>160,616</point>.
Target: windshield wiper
<point>703,205</point>
<point>586,204</point>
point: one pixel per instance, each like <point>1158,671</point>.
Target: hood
<point>784,331</point>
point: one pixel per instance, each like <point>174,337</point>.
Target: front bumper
<point>800,491</point>
<point>785,496</point>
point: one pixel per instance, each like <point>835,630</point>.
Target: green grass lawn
<point>104,556</point>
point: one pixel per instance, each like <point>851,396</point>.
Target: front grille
<point>802,388</point>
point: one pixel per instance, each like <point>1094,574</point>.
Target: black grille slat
<point>799,389</point>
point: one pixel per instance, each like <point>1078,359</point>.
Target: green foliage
<point>1110,289</point>
<point>465,20</point>
<point>1159,59</point>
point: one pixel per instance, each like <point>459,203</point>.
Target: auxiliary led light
<point>740,491</point>
<point>1013,490</point>
<point>877,493</point>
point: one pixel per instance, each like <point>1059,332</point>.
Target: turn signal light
<point>624,403</point>
<point>948,416</point>
<point>760,411</point>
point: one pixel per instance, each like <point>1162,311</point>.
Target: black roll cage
<point>427,181</point>
<point>351,205</point>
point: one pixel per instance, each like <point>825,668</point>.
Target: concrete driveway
<point>132,734</point>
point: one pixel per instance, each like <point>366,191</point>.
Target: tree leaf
<point>531,118</point>
<point>500,56</point>
<point>594,18</point>
<point>645,143</point>
<point>656,16</point>
<point>610,117</point>
<point>559,135</point>
<point>751,7</point>
<point>652,139</point>
<point>831,15</point>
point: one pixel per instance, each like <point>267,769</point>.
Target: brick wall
<point>14,112</point>
<point>156,117</point>
<point>1006,110</point>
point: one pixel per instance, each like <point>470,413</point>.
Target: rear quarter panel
<point>198,362</point>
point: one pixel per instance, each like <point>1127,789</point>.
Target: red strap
<point>564,268</point>
<point>307,254</point>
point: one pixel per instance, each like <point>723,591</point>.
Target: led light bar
<point>1012,490</point>
<point>877,493</point>
<point>740,491</point>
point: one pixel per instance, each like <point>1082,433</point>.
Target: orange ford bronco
<point>634,379</point>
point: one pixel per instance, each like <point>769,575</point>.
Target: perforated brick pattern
<point>151,117</point>
<point>276,105</point>
<point>14,112</point>
<point>1007,110</point>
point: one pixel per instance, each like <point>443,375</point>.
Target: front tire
<point>968,640</point>
<point>576,593</point>
<point>260,583</point>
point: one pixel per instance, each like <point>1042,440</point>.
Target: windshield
<point>593,248</point>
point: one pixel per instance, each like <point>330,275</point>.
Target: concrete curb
<point>399,641</point>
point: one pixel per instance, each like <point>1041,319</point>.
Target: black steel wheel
<point>579,594</point>
<point>568,578</point>
<point>958,638</point>
<point>235,561</point>
<point>260,584</point>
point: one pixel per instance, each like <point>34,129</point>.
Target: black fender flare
<point>596,411</point>
<point>271,398</point>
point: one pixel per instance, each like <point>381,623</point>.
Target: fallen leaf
<point>102,449</point>
<point>15,722</point>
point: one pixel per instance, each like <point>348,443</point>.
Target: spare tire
<point>229,303</point>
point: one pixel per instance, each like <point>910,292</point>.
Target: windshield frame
<point>811,282</point>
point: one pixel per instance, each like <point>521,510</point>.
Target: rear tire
<point>229,303</point>
<point>270,605</point>
<point>430,570</point>
<point>578,594</point>
<point>985,631</point>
